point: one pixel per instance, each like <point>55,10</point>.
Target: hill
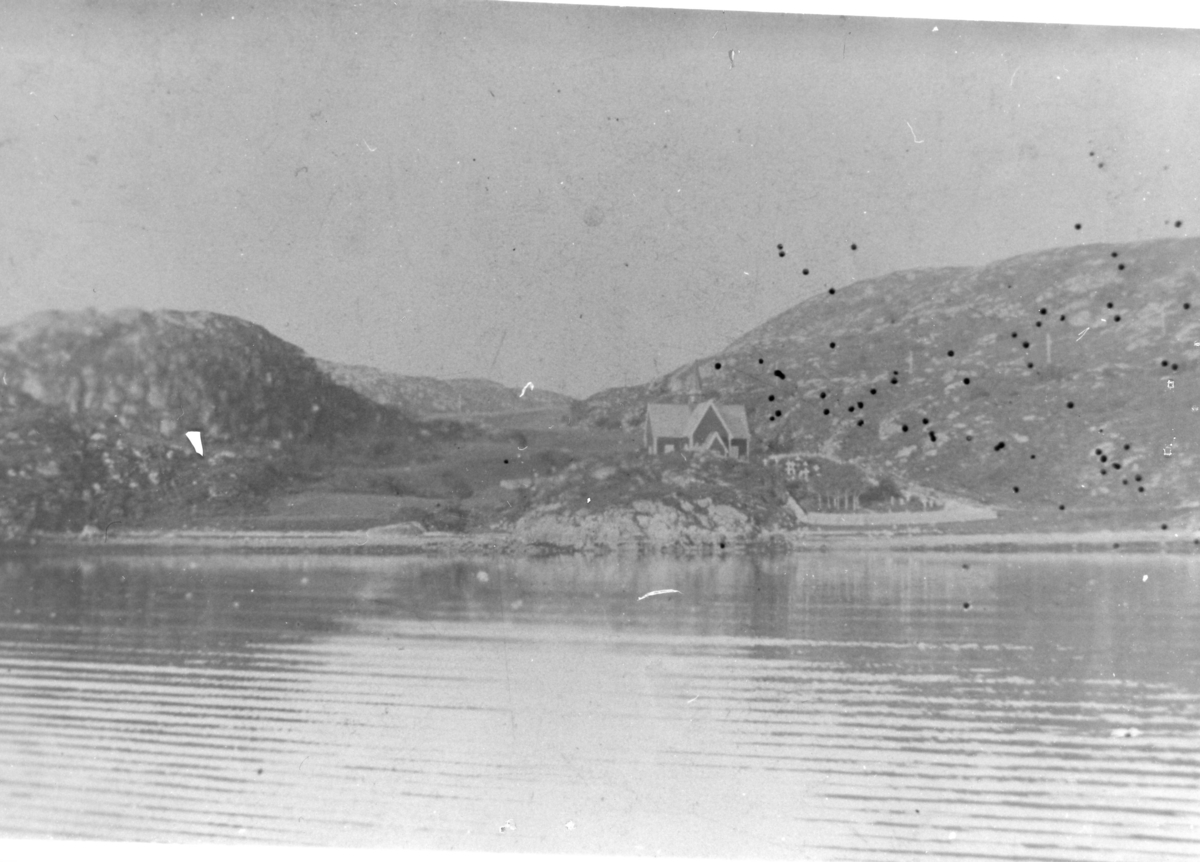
<point>169,371</point>
<point>429,396</point>
<point>1064,378</point>
<point>93,409</point>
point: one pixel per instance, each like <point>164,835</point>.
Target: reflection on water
<point>824,706</point>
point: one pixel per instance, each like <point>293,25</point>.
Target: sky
<point>578,197</point>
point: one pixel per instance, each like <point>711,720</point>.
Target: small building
<point>708,426</point>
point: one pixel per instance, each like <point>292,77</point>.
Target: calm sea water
<point>826,706</point>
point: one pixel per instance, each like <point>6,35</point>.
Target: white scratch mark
<point>694,699</point>
<point>370,149</point>
<point>731,54</point>
<point>656,593</point>
<point>1085,332</point>
<point>194,439</point>
<point>914,134</point>
<point>527,386</point>
<point>1014,76</point>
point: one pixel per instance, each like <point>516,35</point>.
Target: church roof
<point>680,420</point>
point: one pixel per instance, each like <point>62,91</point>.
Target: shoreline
<point>367,542</point>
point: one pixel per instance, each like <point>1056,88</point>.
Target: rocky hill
<point>1064,378</point>
<point>93,410</point>
<point>171,371</point>
<point>430,396</point>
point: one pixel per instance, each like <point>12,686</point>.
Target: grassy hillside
<point>1063,378</point>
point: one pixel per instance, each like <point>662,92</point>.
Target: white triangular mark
<point>194,439</point>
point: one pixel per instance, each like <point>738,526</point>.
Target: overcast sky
<point>575,196</point>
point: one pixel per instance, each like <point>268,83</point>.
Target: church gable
<point>709,422</point>
<point>716,428</point>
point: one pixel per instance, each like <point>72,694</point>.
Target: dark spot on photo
<point>904,428</point>
<point>949,352</point>
<point>998,446</point>
<point>1070,405</point>
<point>1078,226</point>
<point>717,366</point>
<point>804,272</point>
<point>770,397</point>
<point>933,436</point>
<point>780,374</point>
<point>966,381</point>
<point>832,291</point>
<point>1178,224</point>
<point>854,246</point>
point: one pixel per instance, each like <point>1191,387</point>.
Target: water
<point>826,706</point>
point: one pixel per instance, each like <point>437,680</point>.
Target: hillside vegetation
<point>1063,378</point>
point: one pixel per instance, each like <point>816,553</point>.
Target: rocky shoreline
<point>590,538</point>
